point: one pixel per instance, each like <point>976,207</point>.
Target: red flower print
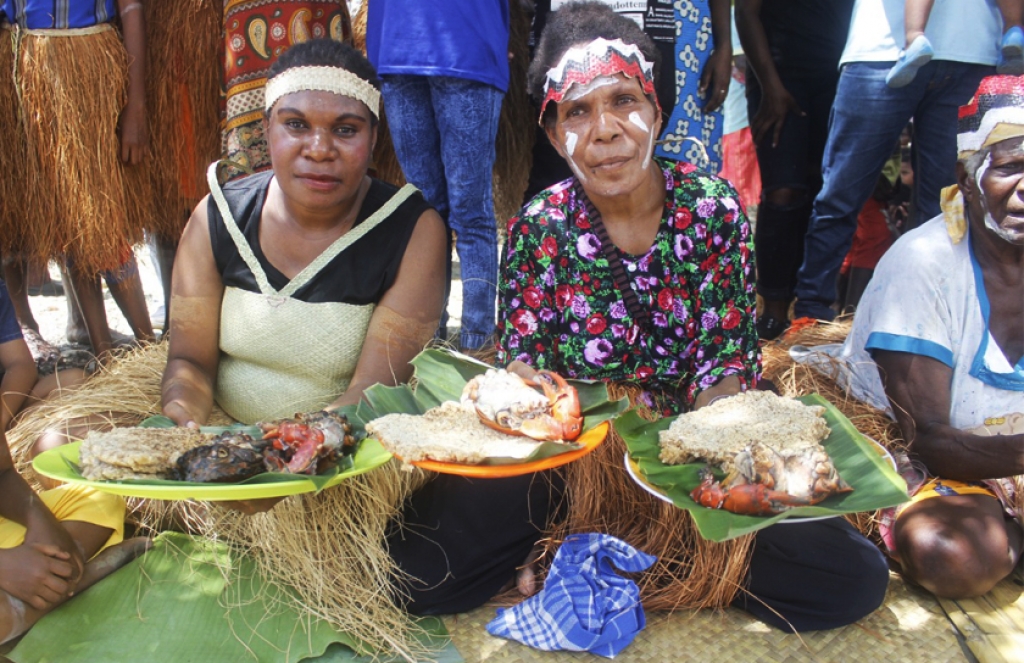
<point>533,297</point>
<point>683,218</point>
<point>596,324</point>
<point>644,372</point>
<point>665,299</point>
<point>731,319</point>
<point>563,296</point>
<point>550,246</point>
<point>524,321</point>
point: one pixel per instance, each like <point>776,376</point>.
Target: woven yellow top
<point>281,355</point>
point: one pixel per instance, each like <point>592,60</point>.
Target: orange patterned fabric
<point>256,33</point>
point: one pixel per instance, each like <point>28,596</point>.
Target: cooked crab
<point>307,443</point>
<point>764,482</point>
<point>508,403</point>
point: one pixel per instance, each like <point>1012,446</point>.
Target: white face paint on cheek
<point>634,117</point>
<point>576,170</point>
<point>990,221</point>
<point>570,142</point>
<point>650,152</point>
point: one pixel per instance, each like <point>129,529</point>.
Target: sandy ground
<point>51,312</point>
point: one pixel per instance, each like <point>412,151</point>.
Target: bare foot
<point>526,575</point>
<point>112,559</point>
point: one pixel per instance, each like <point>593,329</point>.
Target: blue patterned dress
<point>687,120</point>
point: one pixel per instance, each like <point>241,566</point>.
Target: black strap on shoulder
<point>611,253</point>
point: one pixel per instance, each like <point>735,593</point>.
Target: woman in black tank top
<point>458,541</point>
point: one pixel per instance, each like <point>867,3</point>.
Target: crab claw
<point>752,499</point>
<point>565,406</point>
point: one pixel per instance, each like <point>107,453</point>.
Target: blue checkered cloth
<point>585,605</point>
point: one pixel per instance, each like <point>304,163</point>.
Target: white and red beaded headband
<point>581,65</point>
<point>322,79</point>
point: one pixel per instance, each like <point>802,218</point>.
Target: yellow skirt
<point>77,503</point>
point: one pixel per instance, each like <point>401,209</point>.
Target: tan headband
<point>322,79</point>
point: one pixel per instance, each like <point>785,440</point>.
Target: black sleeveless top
<point>360,274</point>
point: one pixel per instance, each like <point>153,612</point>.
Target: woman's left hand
<point>134,134</point>
<point>714,80</point>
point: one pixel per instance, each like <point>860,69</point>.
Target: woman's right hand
<point>776,104</point>
<point>180,414</point>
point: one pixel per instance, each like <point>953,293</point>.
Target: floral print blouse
<point>560,309</point>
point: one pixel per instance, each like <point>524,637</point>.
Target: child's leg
<point>917,51</point>
<point>915,18</point>
<point>126,288</point>
<point>53,385</point>
<point>166,253</point>
<point>1011,46</point>
<point>88,293</point>
<point>15,269</point>
<point>1012,11</point>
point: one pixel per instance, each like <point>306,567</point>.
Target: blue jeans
<point>444,131</point>
<point>865,124</point>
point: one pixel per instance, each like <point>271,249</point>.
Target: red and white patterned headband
<point>600,58</point>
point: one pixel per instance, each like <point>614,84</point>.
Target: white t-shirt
<point>925,298</point>
<point>959,30</point>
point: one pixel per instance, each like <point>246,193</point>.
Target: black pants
<point>795,163</point>
<point>817,575</point>
<point>462,539</point>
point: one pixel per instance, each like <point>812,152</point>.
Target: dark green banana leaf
<point>875,483</point>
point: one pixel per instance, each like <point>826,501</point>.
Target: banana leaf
<point>440,376</point>
<point>875,483</point>
<point>174,605</point>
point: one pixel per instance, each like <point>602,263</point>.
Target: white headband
<point>322,79</point>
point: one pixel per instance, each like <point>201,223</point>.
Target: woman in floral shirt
<point>562,310</point>
<point>637,269</point>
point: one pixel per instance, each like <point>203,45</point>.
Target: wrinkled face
<point>321,145</point>
<point>607,135</point>
<point>997,191</point>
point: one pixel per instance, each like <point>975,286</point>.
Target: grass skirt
<point>13,201</point>
<point>84,203</point>
<point>691,572</point>
<point>182,98</point>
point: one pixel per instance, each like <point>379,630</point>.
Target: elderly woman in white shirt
<point>943,321</point>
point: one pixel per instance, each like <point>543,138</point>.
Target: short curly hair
<point>327,53</point>
<point>581,23</point>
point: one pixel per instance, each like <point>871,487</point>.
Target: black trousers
<point>462,539</point>
<point>795,163</point>
<point>816,576</point>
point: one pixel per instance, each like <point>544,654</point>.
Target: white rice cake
<point>717,432</point>
<point>448,433</point>
<point>138,452</point>
<point>97,470</point>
